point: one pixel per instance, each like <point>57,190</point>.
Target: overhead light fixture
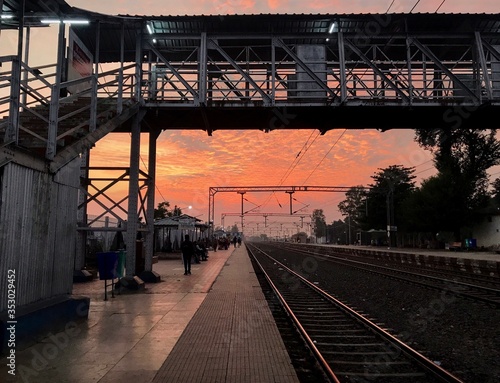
<point>150,30</point>
<point>6,17</point>
<point>81,22</point>
<point>333,27</point>
<point>67,21</point>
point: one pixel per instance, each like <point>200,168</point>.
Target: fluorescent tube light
<point>68,21</point>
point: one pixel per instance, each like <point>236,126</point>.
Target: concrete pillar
<point>132,217</point>
<point>149,275</point>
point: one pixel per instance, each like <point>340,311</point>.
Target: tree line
<point>443,208</point>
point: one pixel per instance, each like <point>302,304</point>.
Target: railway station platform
<point>211,326</point>
<point>479,262</point>
<point>462,254</point>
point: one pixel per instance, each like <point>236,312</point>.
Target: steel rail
<point>324,364</point>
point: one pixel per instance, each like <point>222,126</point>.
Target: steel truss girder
<point>425,50</point>
<point>377,70</point>
<point>101,192</point>
<point>482,62</point>
<point>184,82</point>
<point>340,72</point>
<point>213,190</point>
<point>265,215</point>
<point>212,44</point>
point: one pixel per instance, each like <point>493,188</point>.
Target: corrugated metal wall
<point>38,231</point>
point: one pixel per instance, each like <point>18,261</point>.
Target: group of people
<point>223,243</point>
<point>198,250</point>
<point>237,240</point>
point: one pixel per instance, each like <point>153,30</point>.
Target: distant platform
<point>478,262</point>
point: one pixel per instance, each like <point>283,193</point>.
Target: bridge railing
<point>274,71</point>
<point>35,105</point>
<point>394,83</point>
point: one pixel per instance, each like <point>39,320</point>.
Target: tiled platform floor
<point>211,326</point>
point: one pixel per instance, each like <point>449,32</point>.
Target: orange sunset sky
<point>189,162</point>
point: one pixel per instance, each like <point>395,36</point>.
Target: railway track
<point>349,347</point>
<point>481,289</point>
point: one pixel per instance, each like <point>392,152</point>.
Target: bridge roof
<point>34,12</point>
<point>183,32</point>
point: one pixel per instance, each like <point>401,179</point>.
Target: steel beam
<point>151,201</point>
<point>176,73</point>
<point>54,100</point>
<point>265,97</point>
<point>132,216</point>
<point>369,62</point>
<point>483,64</point>
<point>425,50</point>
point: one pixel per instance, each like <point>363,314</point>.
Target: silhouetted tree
<point>354,206</point>
<point>462,158</point>
<point>162,210</point>
<point>393,185</point>
<point>319,223</point>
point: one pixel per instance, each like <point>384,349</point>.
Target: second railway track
<point>467,286</point>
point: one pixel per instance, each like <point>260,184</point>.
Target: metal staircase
<point>47,122</point>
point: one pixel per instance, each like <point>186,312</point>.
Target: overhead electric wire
<point>440,5</point>
<point>418,1</point>
<point>299,157</point>
<point>390,6</point>
<point>421,171</point>
<point>319,163</point>
<point>294,164</point>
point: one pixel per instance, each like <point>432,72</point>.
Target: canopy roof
<point>173,34</point>
<point>175,220</point>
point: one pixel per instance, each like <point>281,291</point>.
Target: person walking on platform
<point>187,248</point>
<point>234,241</point>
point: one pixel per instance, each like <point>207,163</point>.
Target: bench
<point>456,246</point>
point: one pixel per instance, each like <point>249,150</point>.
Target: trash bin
<point>107,264</point>
<point>471,243</point>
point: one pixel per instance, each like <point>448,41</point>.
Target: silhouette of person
<point>187,248</point>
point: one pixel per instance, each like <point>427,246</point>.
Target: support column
<point>50,151</point>
<point>291,193</point>
<point>79,274</point>
<point>202,69</point>
<point>149,275</point>
<point>130,280</point>
<point>242,212</point>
